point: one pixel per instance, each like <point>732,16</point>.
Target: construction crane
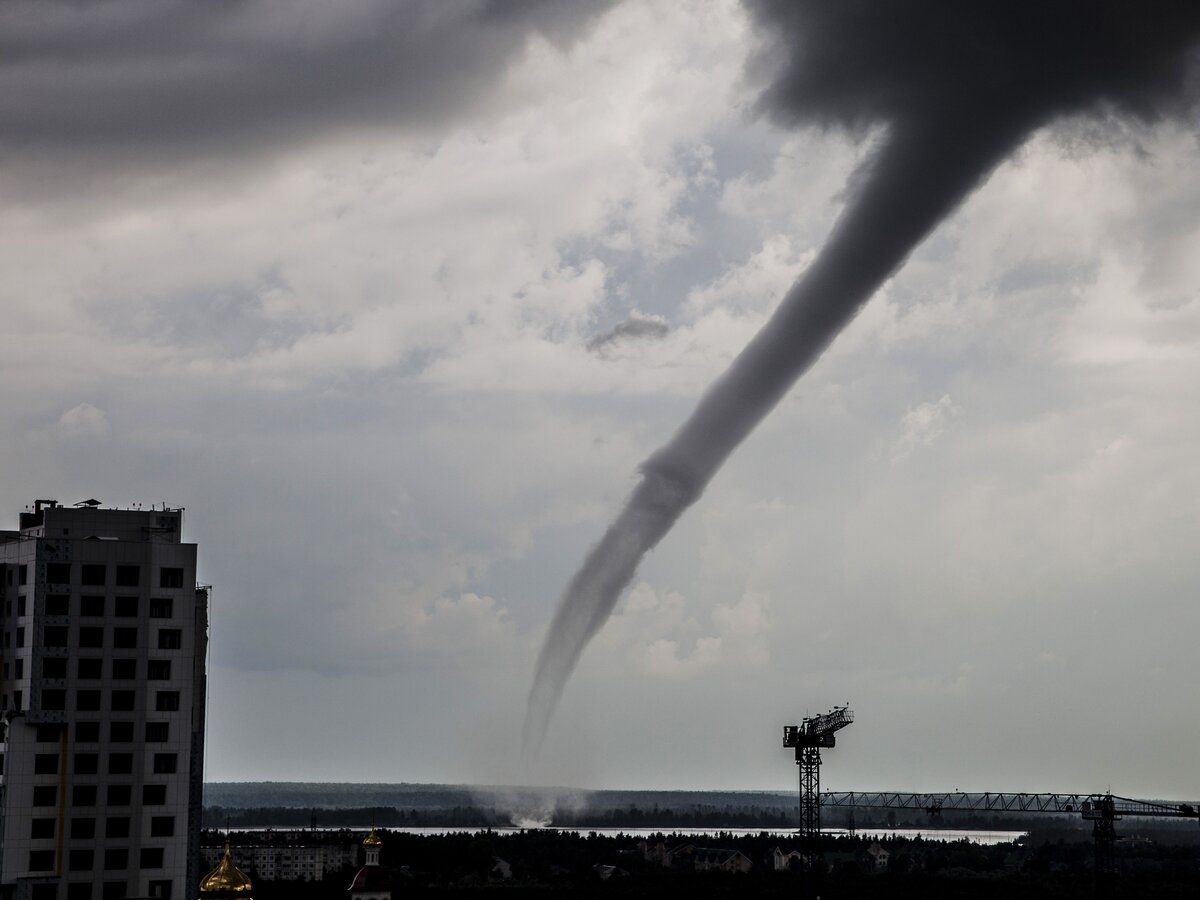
<point>808,738</point>
<point>1102,810</point>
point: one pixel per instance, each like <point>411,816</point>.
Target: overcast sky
<point>394,299</point>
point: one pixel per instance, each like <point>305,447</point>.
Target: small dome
<point>226,877</point>
<point>372,840</point>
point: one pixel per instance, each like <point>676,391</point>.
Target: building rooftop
<point>90,520</point>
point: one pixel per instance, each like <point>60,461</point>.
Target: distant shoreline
<point>427,808</point>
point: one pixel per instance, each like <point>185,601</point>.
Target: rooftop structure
<point>372,882</point>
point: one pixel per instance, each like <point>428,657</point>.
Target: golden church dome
<point>372,840</point>
<point>226,878</point>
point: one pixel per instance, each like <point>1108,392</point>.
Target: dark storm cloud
<point>958,87</point>
<point>636,327</point>
<point>130,79</point>
<point>857,63</point>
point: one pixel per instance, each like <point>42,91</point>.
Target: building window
<point>170,578</point>
<point>21,637</point>
<point>87,732</point>
<point>170,638</point>
<point>54,699</point>
<point>160,607</point>
<point>23,574</point>
<point>57,573</point>
<point>159,889</point>
<point>158,669</point>
<point>80,860</point>
<point>83,829</point>
<point>58,604</point>
<point>90,667</point>
<point>91,636</point>
<point>40,829</point>
<point>127,607</point>
<point>166,701</point>
<point>157,732</point>
<point>45,764</point>
<point>116,827</point>
<point>17,700</point>
<point>124,669</point>
<point>87,701</point>
<point>120,795</point>
<point>152,795</point>
<point>90,605</point>
<point>162,826</point>
<point>165,763</point>
<point>120,732</point>
<point>83,795</point>
<point>122,701</point>
<point>87,763</point>
<point>41,860</point>
<point>92,575</point>
<point>152,857</point>
<point>113,890</point>
<point>21,605</point>
<point>125,638</point>
<point>47,734</point>
<point>54,667</point>
<point>116,858</point>
<point>19,669</point>
<point>128,576</point>
<point>43,891</point>
<point>53,636</point>
<point>79,890</point>
<point>120,764</point>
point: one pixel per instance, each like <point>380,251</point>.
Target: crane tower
<point>809,737</point>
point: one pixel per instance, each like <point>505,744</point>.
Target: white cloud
<point>661,657</point>
<point>753,288</point>
<point>469,632</point>
<point>83,420</point>
<point>662,636</point>
<point>924,424</point>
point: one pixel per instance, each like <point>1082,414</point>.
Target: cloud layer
<point>357,353</point>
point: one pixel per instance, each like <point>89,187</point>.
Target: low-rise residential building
<point>793,860</point>
<point>709,859</point>
<point>286,855</point>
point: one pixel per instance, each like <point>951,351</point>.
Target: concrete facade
<point>103,636</point>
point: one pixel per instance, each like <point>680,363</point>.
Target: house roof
<point>372,878</point>
<point>714,855</point>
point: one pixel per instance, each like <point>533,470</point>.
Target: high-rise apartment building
<point>103,633</point>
